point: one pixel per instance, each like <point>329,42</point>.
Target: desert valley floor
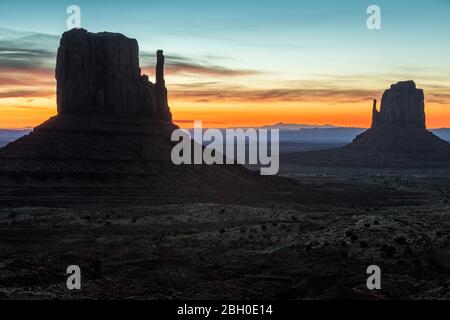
<point>210,251</point>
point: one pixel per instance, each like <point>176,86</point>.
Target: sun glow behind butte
<point>236,64</point>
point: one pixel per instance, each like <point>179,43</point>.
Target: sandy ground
<point>209,251</point>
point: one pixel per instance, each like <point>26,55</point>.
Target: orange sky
<point>290,61</point>
<point>221,99</point>
<point>31,111</point>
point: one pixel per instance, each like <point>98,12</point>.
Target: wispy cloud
<point>26,83</point>
<point>177,64</point>
<point>211,92</point>
<point>191,121</point>
<point>330,95</point>
<point>27,62</point>
<point>13,77</point>
<point>24,50</point>
<point>24,58</point>
<point>25,93</point>
<point>439,98</point>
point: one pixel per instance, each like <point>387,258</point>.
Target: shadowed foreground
<point>193,251</point>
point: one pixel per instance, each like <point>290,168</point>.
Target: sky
<point>242,63</point>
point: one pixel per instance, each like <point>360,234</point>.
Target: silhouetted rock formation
<point>113,124</point>
<point>402,104</point>
<point>111,140</point>
<point>399,127</point>
<point>99,74</point>
<point>397,137</point>
<point>375,113</point>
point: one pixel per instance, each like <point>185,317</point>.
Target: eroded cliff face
<point>99,73</point>
<point>111,140</point>
<point>402,104</point>
<point>398,137</point>
<point>398,129</point>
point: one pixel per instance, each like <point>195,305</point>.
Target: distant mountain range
<point>290,133</point>
<point>9,135</point>
<point>443,133</point>
<point>297,126</point>
<point>306,133</point>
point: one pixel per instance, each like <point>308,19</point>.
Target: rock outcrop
<point>397,138</point>
<point>110,142</point>
<point>399,127</point>
<point>402,104</point>
<point>99,73</point>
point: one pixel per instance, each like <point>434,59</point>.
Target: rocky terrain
<point>212,251</point>
<point>398,137</point>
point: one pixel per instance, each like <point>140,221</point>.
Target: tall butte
<point>112,123</point>
<point>397,138</point>
<point>111,139</point>
<point>99,74</point>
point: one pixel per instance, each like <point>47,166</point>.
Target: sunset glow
<point>292,63</point>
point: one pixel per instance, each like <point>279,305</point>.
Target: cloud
<point>25,50</point>
<point>27,61</point>
<point>13,77</point>
<point>330,95</point>
<point>30,50</point>
<point>25,93</point>
<point>439,98</point>
<point>189,123</point>
<point>177,64</point>
<point>26,83</point>
<point>332,89</point>
<point>24,58</point>
<point>34,108</point>
<point>300,94</point>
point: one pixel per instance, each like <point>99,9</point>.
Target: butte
<point>398,137</point>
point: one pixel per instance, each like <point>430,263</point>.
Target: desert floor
<point>212,251</point>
